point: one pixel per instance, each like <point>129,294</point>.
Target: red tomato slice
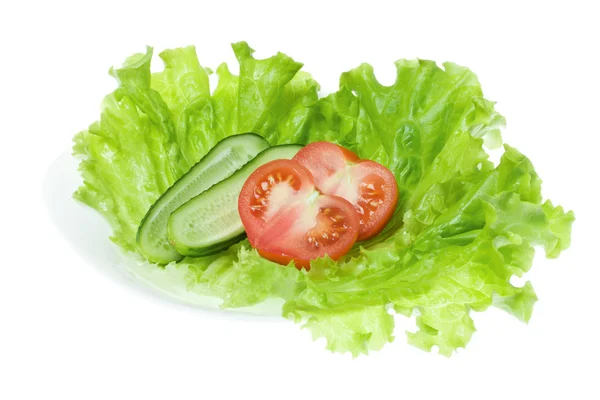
<point>369,186</point>
<point>287,219</point>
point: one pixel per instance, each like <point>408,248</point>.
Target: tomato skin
<point>284,259</point>
<point>286,219</point>
<point>368,185</point>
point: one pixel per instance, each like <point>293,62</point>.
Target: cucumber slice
<point>229,155</point>
<point>210,222</point>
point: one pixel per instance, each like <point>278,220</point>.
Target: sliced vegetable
<point>287,219</point>
<point>368,185</point>
<point>210,222</point>
<point>224,159</point>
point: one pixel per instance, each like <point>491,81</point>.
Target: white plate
<point>87,232</point>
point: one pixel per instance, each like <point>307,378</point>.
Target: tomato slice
<point>368,185</point>
<point>287,219</point>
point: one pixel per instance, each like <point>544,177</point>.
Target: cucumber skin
<point>157,202</point>
<point>192,251</point>
<point>206,251</point>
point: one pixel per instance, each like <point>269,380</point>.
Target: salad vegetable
<point>462,226</point>
<point>369,186</point>
<point>224,159</point>
<point>287,219</point>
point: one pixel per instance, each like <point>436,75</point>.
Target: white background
<point>67,332</point>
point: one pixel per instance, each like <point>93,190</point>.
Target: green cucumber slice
<point>210,222</point>
<point>226,157</point>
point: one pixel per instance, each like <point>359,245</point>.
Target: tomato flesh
<point>368,185</point>
<point>287,219</point>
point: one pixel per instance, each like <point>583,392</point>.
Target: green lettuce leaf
<point>463,226</point>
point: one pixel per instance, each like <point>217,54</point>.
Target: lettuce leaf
<point>463,226</point>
